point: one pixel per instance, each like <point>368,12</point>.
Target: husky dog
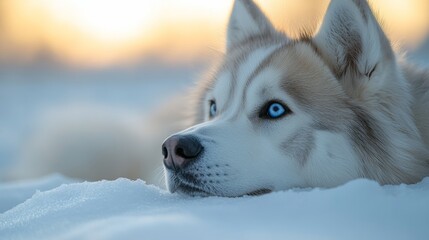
<point>314,112</point>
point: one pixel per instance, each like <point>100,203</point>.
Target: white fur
<point>342,164</point>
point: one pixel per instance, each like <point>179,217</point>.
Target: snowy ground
<point>56,207</point>
<point>125,209</point>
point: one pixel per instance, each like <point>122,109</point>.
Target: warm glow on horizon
<point>97,33</point>
<point>111,21</point>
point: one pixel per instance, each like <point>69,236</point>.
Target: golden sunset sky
<point>102,33</point>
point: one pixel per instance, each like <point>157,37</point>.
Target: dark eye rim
<point>263,113</point>
<point>211,102</point>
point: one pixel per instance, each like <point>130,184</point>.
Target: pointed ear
<point>350,38</point>
<point>246,21</point>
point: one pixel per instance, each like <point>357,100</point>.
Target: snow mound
<point>14,193</point>
<point>125,209</point>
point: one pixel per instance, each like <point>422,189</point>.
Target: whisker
<point>159,177</point>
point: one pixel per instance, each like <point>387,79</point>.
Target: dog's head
<point>282,113</point>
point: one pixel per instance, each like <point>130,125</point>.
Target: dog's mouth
<point>200,192</point>
<point>188,185</point>
<point>259,192</point>
<point>192,190</point>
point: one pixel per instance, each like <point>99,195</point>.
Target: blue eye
<point>213,108</point>
<point>274,110</point>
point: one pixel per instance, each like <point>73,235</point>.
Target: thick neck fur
<point>387,136</point>
<point>390,121</point>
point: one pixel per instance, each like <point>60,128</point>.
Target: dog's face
<point>278,113</point>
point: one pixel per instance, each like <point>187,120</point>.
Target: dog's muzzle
<point>180,150</point>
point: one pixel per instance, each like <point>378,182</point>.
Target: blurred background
<point>112,63</point>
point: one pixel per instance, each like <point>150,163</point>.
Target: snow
<point>12,194</point>
<point>126,209</point>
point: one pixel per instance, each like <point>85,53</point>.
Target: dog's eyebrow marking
<point>239,55</point>
<point>262,65</point>
<point>231,64</point>
<point>234,75</point>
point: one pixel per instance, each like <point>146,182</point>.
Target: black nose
<point>179,150</point>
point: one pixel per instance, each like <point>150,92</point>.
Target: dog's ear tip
<point>239,3</point>
<point>243,1</point>
<point>246,20</point>
<point>361,5</point>
<point>350,36</point>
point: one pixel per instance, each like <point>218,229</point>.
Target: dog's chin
<point>193,191</point>
<point>259,192</point>
<point>196,191</point>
